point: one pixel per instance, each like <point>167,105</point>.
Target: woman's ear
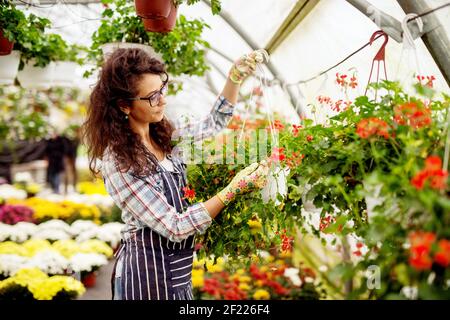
<point>124,106</point>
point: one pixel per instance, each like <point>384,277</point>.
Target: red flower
<point>369,127</point>
<point>188,193</point>
<point>421,243</point>
<point>411,114</point>
<point>325,222</point>
<point>428,83</point>
<point>309,138</point>
<point>432,173</point>
<point>442,256</point>
<point>337,106</point>
<point>325,100</point>
<point>295,129</point>
<point>277,155</point>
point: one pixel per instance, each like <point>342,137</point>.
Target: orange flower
<point>432,173</point>
<point>421,243</point>
<point>442,256</point>
<point>369,127</point>
<point>411,114</point>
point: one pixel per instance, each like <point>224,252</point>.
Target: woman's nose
<point>162,99</point>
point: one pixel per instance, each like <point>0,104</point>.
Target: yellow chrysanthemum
<point>66,247</point>
<point>96,246</point>
<point>10,247</point>
<point>198,263</point>
<point>261,294</point>
<point>33,246</point>
<point>88,187</point>
<point>244,286</point>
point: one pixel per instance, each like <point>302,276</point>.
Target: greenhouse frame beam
<point>387,23</point>
<point>41,2</point>
<point>436,40</point>
<point>246,37</point>
<point>298,13</point>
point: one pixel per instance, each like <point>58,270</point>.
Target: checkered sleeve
<point>213,123</point>
<point>143,200</point>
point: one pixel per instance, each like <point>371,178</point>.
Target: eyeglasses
<point>155,97</point>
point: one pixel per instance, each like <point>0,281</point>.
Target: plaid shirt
<point>142,200</point>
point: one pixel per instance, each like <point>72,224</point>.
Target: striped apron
<point>150,266</point>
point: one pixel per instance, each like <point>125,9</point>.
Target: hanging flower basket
<point>32,77</point>
<point>6,46</point>
<point>154,9</point>
<point>162,25</point>
<point>9,65</point>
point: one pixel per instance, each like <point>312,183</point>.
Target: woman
<point>126,129</point>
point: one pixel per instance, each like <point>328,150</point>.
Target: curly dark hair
<point>106,127</point>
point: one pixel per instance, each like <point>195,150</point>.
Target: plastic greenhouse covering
<point>331,30</point>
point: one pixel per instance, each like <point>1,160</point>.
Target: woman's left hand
<point>245,66</point>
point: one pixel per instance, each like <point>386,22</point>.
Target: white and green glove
<point>246,65</point>
<point>250,178</point>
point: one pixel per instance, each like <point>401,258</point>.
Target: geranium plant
<point>391,150</point>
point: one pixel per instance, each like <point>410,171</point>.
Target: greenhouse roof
<point>304,38</point>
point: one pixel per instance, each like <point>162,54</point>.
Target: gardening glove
<point>252,177</point>
<point>246,65</point>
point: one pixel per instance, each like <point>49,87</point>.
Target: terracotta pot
<point>153,9</point>
<point>164,25</point>
<point>89,280</point>
<point>6,46</point>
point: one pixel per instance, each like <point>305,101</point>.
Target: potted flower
<point>121,27</point>
<point>66,65</point>
<point>12,21</point>
<point>39,66</point>
<point>164,24</point>
<point>156,9</point>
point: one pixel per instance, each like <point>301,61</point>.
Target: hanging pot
<point>32,77</point>
<point>64,74</point>
<point>153,9</point>
<point>89,280</point>
<point>6,46</point>
<point>162,25</point>
<point>9,65</point>
<point>276,184</point>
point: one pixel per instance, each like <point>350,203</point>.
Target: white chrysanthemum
<point>292,274</point>
<point>87,235</point>
<point>51,234</point>
<point>55,224</point>
<point>26,227</point>
<point>10,192</point>
<point>87,261</point>
<point>110,232</point>
<point>18,235</point>
<point>80,226</point>
<point>49,261</point>
<point>5,231</point>
<point>11,263</point>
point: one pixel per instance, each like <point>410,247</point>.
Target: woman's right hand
<point>251,178</point>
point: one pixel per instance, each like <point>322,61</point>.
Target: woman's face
<point>141,110</point>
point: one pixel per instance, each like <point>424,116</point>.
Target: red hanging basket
<point>153,9</point>
<point>163,25</point>
<point>6,46</point>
